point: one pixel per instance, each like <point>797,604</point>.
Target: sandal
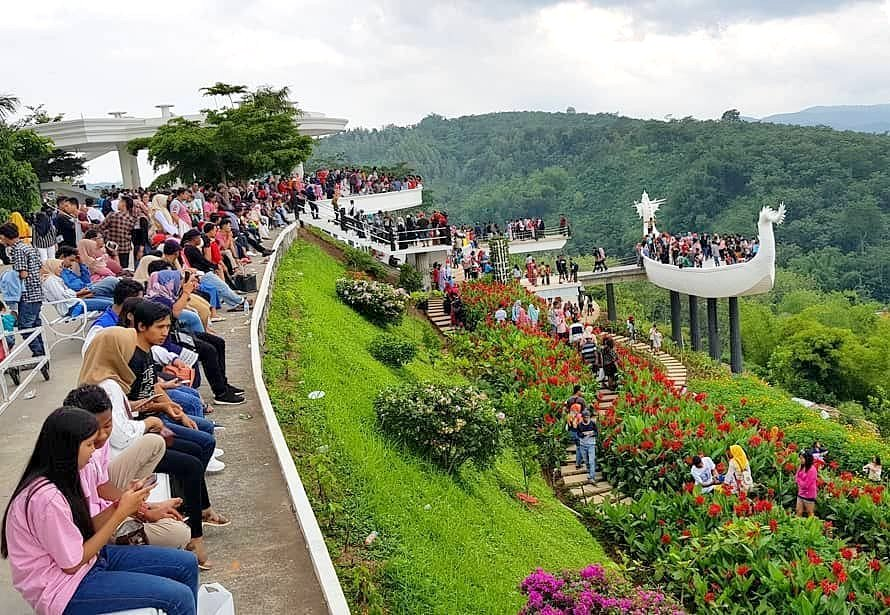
<point>200,552</point>
<point>215,519</point>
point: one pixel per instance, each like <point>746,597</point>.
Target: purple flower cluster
<point>591,592</point>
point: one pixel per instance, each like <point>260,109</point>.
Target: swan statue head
<point>768,215</point>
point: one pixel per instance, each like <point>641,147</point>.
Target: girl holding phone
<point>60,558</point>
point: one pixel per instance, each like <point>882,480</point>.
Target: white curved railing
<point>318,550</point>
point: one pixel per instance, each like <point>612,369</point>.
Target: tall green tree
<point>256,136</point>
<point>19,187</point>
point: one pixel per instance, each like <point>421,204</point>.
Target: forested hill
<point>716,175</point>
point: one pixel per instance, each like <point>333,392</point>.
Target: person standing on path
<point>587,435</point>
<point>806,486</point>
<point>655,338</point>
<point>26,261</point>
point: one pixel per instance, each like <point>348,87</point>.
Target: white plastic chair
<point>60,324</point>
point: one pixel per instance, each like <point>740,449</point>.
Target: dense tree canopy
<point>257,135</point>
<point>715,175</point>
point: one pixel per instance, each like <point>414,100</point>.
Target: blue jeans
<point>204,440</point>
<point>226,294</point>
<point>190,321</point>
<point>212,294</point>
<point>94,304</point>
<point>588,454</point>
<point>189,399</point>
<point>125,578</point>
<point>577,441</point>
<point>104,287</point>
<point>29,317</point>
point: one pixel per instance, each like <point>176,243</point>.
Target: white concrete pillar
<point>298,171</point>
<point>129,167</point>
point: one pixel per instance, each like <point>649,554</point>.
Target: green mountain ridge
<point>716,175</point>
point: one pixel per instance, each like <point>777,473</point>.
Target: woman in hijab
<point>91,250</point>
<point>55,290</point>
<point>161,220</point>
<point>107,364</point>
<point>166,287</point>
<point>22,226</point>
<point>738,474</point>
<point>533,314</point>
<point>517,308</point>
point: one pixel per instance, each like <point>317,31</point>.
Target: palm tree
<point>8,104</point>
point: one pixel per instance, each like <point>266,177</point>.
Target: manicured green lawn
<point>451,546</point>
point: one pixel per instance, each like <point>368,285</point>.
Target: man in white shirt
<point>704,473</point>
<point>500,315</point>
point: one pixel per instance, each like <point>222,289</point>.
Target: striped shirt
<point>25,257</point>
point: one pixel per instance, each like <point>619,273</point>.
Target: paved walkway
<point>261,557</point>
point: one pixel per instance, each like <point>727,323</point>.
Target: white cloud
<point>394,61</point>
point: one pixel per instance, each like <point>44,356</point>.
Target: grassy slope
<point>469,551</point>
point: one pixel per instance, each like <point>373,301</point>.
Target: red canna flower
<point>847,553</point>
<point>709,597</point>
<point>665,539</point>
<point>688,534</point>
<point>699,499</point>
<point>647,445</point>
<point>874,565</point>
<point>834,465</point>
<point>715,510</point>
<point>827,586</point>
<point>742,570</point>
<point>813,557</point>
<point>851,597</point>
<point>773,525</point>
<point>811,585</point>
<point>688,487</point>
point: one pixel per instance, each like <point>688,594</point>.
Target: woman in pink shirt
<point>60,558</point>
<point>806,486</point>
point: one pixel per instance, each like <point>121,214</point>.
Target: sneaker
<point>218,452</point>
<point>228,399</point>
<point>237,308</point>
<point>45,371</point>
<point>235,389</point>
<point>215,466</point>
<point>15,375</point>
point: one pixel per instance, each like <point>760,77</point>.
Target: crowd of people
<point>155,269</point>
<point>696,250</point>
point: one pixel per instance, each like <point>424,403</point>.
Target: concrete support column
<point>713,331</point>
<point>129,167</point>
<point>676,319</point>
<point>694,329</point>
<point>611,307</point>
<point>735,336</point>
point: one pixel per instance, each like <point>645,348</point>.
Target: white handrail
<point>318,550</point>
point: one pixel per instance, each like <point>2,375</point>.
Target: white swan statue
<point>753,277</point>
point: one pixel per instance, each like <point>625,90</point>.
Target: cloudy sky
<point>395,61</point>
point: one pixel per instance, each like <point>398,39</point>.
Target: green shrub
<point>376,301</point>
<point>409,278</point>
<point>392,350</point>
<point>359,260</point>
<point>449,425</point>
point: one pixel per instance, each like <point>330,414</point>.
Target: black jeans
<point>183,462</point>
<point>212,355</point>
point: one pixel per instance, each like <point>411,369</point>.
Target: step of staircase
<point>577,479</point>
<point>588,490</point>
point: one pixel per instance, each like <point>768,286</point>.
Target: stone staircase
<point>435,311</point>
<point>575,480</point>
<point>674,368</point>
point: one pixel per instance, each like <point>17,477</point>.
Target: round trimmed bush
<point>378,302</point>
<point>448,425</point>
<point>392,350</point>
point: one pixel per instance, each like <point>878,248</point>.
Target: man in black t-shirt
<point>66,223</point>
<point>587,434</point>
